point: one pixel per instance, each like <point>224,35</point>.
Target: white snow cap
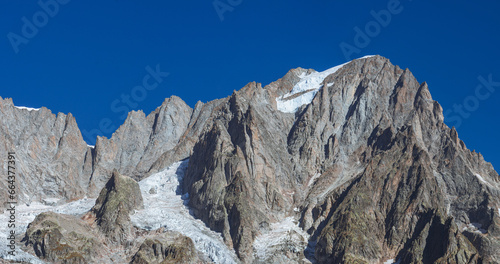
<point>309,85</point>
<point>27,108</point>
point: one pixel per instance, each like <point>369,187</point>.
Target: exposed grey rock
<point>117,200</point>
<point>97,236</point>
<point>166,248</point>
<point>391,116</point>
<point>202,116</point>
<point>58,238</point>
<point>368,167</point>
<point>387,168</point>
<point>139,142</point>
<point>50,152</point>
<point>55,162</point>
<point>237,173</point>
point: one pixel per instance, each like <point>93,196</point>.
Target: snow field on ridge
<point>27,108</point>
<point>308,82</point>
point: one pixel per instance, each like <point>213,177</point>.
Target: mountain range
<point>351,165</point>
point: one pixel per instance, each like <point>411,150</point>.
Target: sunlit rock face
<point>367,167</point>
<point>350,165</point>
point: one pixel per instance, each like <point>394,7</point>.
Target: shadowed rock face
<point>368,167</point>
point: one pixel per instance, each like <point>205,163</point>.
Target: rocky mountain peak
<point>353,164</point>
<point>117,200</point>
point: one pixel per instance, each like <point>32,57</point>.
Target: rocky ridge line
<point>370,152</point>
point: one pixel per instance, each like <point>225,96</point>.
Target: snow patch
<point>281,234</point>
<point>311,181</point>
<point>309,85</point>
<point>391,261</point>
<point>27,108</point>
<point>481,178</point>
<point>477,228</point>
<point>165,206</point>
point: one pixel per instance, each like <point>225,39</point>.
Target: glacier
<point>165,206</point>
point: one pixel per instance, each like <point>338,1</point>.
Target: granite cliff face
<point>139,142</point>
<point>370,165</point>
<point>351,165</point>
<point>117,200</point>
<point>53,155</point>
<point>50,150</point>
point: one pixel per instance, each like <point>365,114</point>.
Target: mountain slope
<point>350,165</point>
<point>368,162</point>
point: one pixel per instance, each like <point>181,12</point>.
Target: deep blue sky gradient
<point>92,52</point>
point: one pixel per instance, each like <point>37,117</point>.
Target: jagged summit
<point>350,165</point>
<point>306,88</point>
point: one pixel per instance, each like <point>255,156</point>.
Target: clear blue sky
<point>86,54</point>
